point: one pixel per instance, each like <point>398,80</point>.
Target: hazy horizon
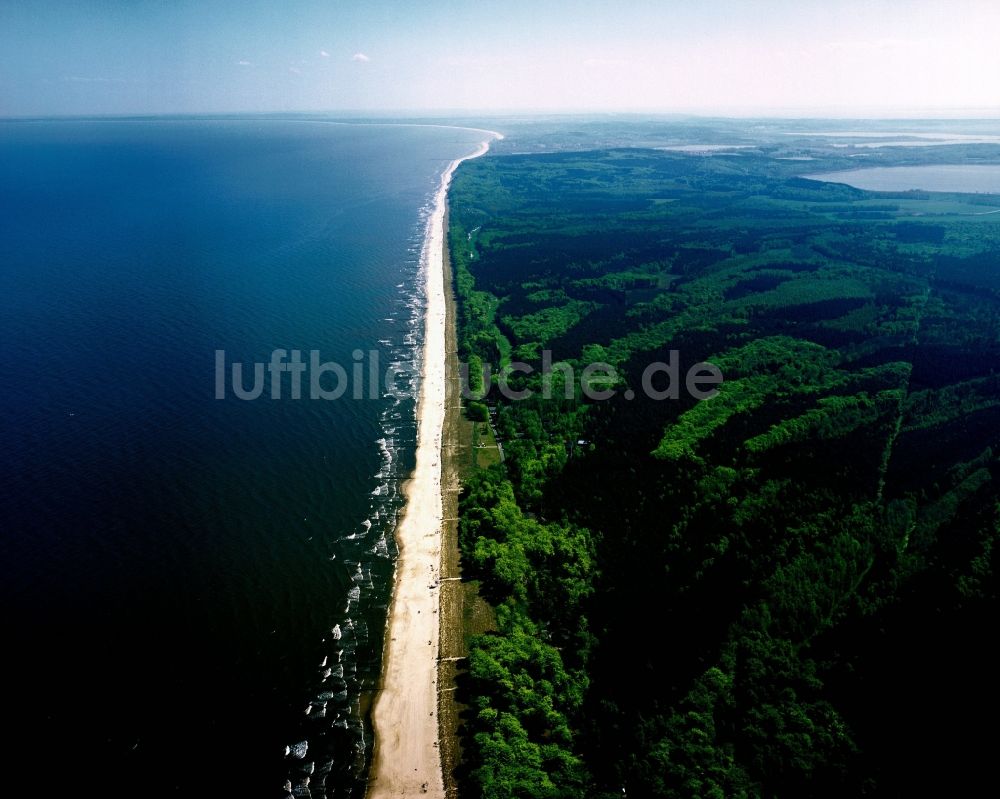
<point>878,59</point>
<point>454,116</point>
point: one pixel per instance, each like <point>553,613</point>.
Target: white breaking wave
<point>340,676</point>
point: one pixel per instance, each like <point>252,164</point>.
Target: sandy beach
<point>407,756</point>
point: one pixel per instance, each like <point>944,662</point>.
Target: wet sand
<point>407,760</point>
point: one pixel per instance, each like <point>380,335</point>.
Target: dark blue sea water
<point>173,564</point>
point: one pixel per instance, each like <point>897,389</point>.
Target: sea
<point>195,584</point>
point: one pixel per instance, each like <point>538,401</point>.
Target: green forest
<point>788,590</point>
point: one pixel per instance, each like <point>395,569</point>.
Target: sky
<point>828,57</point>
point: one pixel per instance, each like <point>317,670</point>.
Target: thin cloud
<point>295,70</point>
<point>604,62</point>
<point>324,54</point>
<point>243,63</point>
<point>87,79</point>
<point>876,45</point>
<point>361,57</point>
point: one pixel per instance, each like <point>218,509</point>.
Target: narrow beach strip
<point>407,758</point>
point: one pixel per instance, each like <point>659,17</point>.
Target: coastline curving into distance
<point>406,759</point>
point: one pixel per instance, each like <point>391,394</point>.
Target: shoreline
<point>406,760</point>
